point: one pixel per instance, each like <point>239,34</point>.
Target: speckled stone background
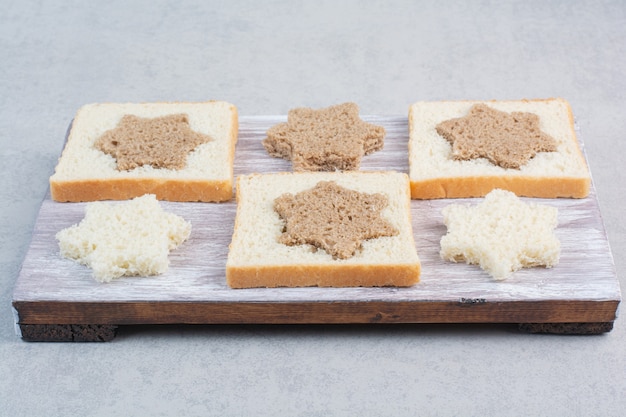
<point>267,57</point>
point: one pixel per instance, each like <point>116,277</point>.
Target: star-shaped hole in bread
<point>502,234</point>
<point>332,218</point>
<point>506,140</point>
<point>329,139</point>
<point>161,142</point>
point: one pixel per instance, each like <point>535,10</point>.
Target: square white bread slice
<point>256,258</point>
<point>434,174</point>
<point>84,173</point>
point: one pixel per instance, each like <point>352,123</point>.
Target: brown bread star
<point>506,140</point>
<point>332,218</point>
<point>329,139</point>
<point>162,142</point>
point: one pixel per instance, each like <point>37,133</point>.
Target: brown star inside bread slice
<point>460,149</point>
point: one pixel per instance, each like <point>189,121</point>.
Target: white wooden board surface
<point>197,270</point>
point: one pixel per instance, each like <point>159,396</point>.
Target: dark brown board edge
<point>178,312</point>
<point>49,321</point>
<point>106,333</point>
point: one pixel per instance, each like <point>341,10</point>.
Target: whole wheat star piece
<point>502,234</point>
<point>507,140</point>
<point>161,142</point>
<point>329,139</point>
<point>332,218</point>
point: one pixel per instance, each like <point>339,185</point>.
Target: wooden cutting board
<point>57,299</point>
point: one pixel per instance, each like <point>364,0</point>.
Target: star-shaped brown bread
<point>329,139</point>
<point>332,218</point>
<point>509,140</point>
<point>162,142</point>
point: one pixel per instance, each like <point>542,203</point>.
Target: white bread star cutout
<point>502,234</point>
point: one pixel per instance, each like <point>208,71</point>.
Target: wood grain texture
<point>582,288</point>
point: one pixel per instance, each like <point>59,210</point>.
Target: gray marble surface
<point>267,57</point>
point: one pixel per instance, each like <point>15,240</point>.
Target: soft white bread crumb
<point>128,238</point>
<point>434,174</point>
<point>501,234</point>
<point>84,173</point>
<point>257,259</point>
